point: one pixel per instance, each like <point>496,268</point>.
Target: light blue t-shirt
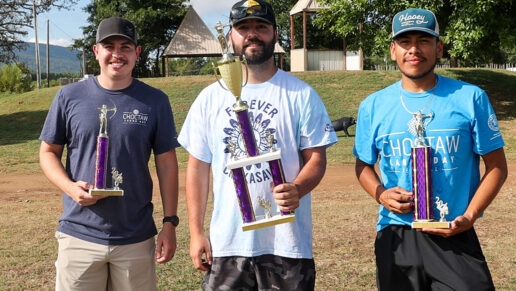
<point>296,113</point>
<point>463,127</point>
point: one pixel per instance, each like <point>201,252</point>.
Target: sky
<point>65,25</point>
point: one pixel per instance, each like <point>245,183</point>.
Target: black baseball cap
<point>252,9</point>
<point>116,26</point>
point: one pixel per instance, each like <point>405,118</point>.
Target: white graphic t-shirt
<point>460,125</point>
<point>297,117</point>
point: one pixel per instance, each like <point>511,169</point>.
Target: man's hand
<point>199,246</point>
<point>396,200</point>
<point>79,193</point>
<point>458,225</point>
<point>167,243</point>
<point>286,196</point>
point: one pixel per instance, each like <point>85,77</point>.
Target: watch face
<point>172,219</point>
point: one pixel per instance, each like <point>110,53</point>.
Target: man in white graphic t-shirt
<point>279,103</point>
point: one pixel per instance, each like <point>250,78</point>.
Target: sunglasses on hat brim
<point>241,12</point>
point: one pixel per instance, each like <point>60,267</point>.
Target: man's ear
<point>393,51</point>
<point>95,51</point>
<point>440,49</point>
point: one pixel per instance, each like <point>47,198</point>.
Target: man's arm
<point>490,185</point>
<point>394,199</point>
<point>197,192</point>
<point>167,170</point>
<point>50,162</point>
<point>287,195</point>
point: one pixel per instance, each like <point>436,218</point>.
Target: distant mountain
<point>62,59</point>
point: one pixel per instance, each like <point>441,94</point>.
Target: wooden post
<point>345,48</point>
<point>360,52</point>
<point>48,54</point>
<point>304,29</point>
<point>166,66</point>
<point>292,43</point>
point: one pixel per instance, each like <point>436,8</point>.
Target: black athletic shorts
<point>266,272</point>
<point>407,259</point>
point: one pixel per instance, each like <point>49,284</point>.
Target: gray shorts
<point>266,272</point>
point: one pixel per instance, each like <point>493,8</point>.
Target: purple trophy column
<point>243,195</point>
<point>247,133</point>
<point>101,162</point>
<point>422,183</point>
<point>278,176</point>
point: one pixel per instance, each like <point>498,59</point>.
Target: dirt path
<point>27,185</point>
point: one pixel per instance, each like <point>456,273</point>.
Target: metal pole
<point>38,75</point>
<point>48,53</point>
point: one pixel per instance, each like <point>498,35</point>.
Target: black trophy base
<point>430,224</point>
<point>266,222</point>
<point>106,192</point>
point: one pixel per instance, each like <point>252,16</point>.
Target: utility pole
<point>84,71</point>
<point>38,75</point>
<point>48,54</point>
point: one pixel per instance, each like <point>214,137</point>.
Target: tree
<point>15,17</point>
<point>15,78</point>
<point>156,21</point>
<point>474,31</point>
<point>316,37</point>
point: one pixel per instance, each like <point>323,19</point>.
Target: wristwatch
<point>172,219</point>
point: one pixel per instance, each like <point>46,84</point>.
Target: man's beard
<point>260,57</point>
<point>420,76</point>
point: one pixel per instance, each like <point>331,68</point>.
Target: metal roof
<point>310,6</point>
<point>193,38</point>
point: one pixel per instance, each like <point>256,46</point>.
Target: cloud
<point>60,42</point>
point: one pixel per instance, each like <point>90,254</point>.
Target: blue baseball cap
<point>415,19</point>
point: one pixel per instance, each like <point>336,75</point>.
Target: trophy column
<point>102,158</point>
<point>101,161</point>
<point>422,181</point>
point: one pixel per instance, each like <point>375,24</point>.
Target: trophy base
<point>430,224</point>
<point>106,192</point>
<point>266,222</point>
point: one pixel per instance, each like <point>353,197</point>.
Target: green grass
<point>22,115</point>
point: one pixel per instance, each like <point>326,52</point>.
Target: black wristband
<point>172,219</point>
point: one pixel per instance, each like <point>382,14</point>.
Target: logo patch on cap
<point>251,3</point>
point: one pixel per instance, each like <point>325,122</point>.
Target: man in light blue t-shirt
<point>278,256</point>
<point>460,126</point>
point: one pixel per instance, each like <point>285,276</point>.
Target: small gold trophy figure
<point>230,69</point>
<point>102,157</point>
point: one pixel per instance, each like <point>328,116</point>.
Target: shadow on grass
<point>20,127</point>
<point>499,86</point>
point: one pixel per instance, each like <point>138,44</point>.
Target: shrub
<point>15,78</point>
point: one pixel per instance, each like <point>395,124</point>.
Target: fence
<point>508,66</point>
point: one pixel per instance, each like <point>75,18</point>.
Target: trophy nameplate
<point>230,69</point>
<point>102,158</point>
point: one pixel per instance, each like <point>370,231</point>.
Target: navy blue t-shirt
<point>143,122</point>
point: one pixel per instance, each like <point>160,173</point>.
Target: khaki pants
<point>83,265</point>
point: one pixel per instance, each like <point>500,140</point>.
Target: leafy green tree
<point>317,38</point>
<point>156,21</point>
<point>15,17</point>
<point>474,31</point>
<point>15,78</point>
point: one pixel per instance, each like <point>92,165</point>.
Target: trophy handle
<point>217,76</point>
<point>246,70</point>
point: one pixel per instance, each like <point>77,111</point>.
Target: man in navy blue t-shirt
<point>108,241</point>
